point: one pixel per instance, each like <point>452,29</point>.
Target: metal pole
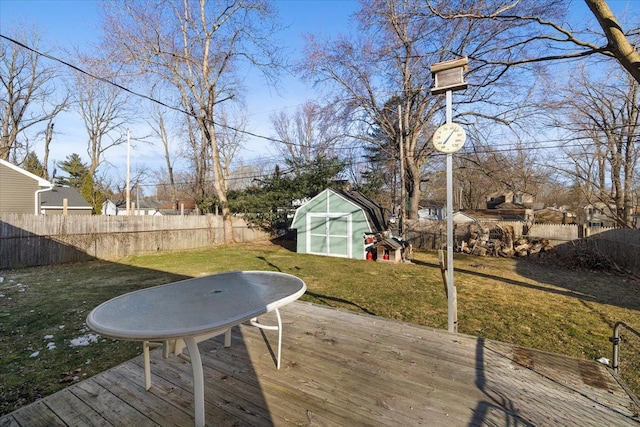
<point>451,290</point>
<point>128,191</point>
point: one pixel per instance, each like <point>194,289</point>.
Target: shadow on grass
<point>328,300</point>
<point>287,242</point>
<point>323,299</point>
<point>589,286</point>
<point>586,286</point>
<point>53,302</point>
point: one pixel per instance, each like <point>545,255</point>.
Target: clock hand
<point>447,138</point>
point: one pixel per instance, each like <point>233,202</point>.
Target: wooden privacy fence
<point>29,240</point>
<point>432,234</point>
<point>622,246</point>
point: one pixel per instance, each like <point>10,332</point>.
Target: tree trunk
<point>219,182</point>
<point>625,53</point>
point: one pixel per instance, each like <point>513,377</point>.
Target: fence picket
<point>621,245</point>
<point>29,240</point>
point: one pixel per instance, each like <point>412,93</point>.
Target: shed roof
<point>376,214</point>
<point>54,198</point>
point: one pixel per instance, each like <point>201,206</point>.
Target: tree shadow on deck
<point>498,405</point>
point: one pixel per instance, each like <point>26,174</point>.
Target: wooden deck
<point>342,368</point>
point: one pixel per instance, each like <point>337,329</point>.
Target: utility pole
<point>128,191</point>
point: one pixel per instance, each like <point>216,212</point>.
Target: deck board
<point>343,368</point>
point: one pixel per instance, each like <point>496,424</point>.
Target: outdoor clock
<point>449,138</point>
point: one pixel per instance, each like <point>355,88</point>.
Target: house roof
<point>508,205</point>
<point>41,181</point>
<point>478,215</point>
<point>553,216</point>
<point>54,198</point>
<point>376,214</point>
<point>141,203</point>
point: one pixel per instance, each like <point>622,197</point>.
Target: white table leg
<point>198,380</point>
<point>279,337</point>
<point>278,328</point>
<point>227,338</point>
<point>147,365</point>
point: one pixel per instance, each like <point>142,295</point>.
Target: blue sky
<point>69,24</point>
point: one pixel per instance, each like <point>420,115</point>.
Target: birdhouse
<point>449,75</point>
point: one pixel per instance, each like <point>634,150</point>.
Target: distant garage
<point>335,222</point>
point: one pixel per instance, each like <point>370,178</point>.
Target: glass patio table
<point>190,311</point>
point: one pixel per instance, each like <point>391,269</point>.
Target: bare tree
<point>157,122</point>
<point>552,38</point>
<point>618,43</point>
<point>28,94</point>
<point>197,152</point>
<point>195,48</point>
<point>48,137</point>
<point>311,132</point>
<point>386,65</point>
<point>231,137</point>
<point>603,119</point>
<point>103,108</point>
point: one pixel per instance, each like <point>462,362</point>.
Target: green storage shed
<point>334,223</point>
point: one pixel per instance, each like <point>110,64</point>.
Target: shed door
<point>329,234</point>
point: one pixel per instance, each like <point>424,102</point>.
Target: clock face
<point>449,138</point>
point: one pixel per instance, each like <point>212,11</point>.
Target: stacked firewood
<point>500,241</point>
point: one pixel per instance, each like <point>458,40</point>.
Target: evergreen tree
<point>32,164</point>
<point>76,170</point>
<point>269,204</point>
<point>92,194</point>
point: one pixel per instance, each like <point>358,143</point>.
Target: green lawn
<point>517,301</point>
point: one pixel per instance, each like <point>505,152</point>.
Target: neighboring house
<point>468,215</point>
<point>147,207</point>
<point>335,223</point>
<point>59,199</point>
<point>598,215</point>
<point>24,192</point>
<point>512,212</point>
<point>180,207</point>
<point>511,205</point>
<point>520,198</point>
<point>20,190</point>
<point>112,208</point>
<point>432,211</point>
<point>551,215</point>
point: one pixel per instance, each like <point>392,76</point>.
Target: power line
<point>140,95</point>
<point>484,150</point>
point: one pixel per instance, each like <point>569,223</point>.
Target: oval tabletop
<point>194,306</point>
